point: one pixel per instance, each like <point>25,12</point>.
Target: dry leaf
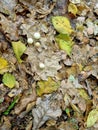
<point>46,109</point>
<point>48,57</point>
<point>7,6</point>
<point>9,28</point>
<point>25,101</point>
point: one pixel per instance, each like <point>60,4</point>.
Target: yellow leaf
<point>92,117</point>
<point>74,69</point>
<point>48,86</point>
<point>19,49</point>
<point>62,24</point>
<point>3,65</point>
<point>65,43</point>
<point>83,94</point>
<point>72,8</point>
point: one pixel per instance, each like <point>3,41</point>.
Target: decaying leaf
<point>3,65</point>
<point>9,80</point>
<point>7,6</point>
<point>6,125</point>
<point>25,101</point>
<point>83,94</point>
<point>62,24</point>
<point>9,28</point>
<point>48,86</point>
<point>72,8</point>
<point>18,48</point>
<point>69,125</point>
<point>48,57</point>
<point>46,109</point>
<point>92,117</point>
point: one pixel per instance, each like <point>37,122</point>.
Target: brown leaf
<point>49,58</point>
<point>47,108</point>
<point>24,101</point>
<point>9,28</point>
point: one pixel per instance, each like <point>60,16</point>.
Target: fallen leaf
<point>92,117</point>
<point>48,57</point>
<point>9,80</point>
<point>83,94</point>
<point>72,8</point>
<point>65,43</point>
<point>72,124</point>
<point>3,65</point>
<point>9,28</point>
<point>6,124</point>
<point>18,48</point>
<point>25,100</point>
<point>62,24</point>
<point>48,86</point>
<point>75,69</point>
<point>65,46</point>
<point>6,7</point>
<point>46,109</point>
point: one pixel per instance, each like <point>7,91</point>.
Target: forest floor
<point>48,64</point>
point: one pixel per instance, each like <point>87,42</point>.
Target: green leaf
<point>92,117</point>
<point>48,86</point>
<point>9,80</point>
<point>65,43</point>
<point>11,105</point>
<point>67,110</point>
<point>62,24</point>
<point>19,49</point>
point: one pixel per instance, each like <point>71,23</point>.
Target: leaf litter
<point>53,82</point>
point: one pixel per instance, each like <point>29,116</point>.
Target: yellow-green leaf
<point>48,86</point>
<point>18,48</point>
<point>65,43</point>
<point>83,94</point>
<point>3,65</point>
<point>9,80</point>
<point>62,24</point>
<point>92,117</point>
<point>72,8</point>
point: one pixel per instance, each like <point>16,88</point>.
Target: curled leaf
<point>19,49</point>
<point>9,80</point>
<point>92,117</point>
<point>62,25</point>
